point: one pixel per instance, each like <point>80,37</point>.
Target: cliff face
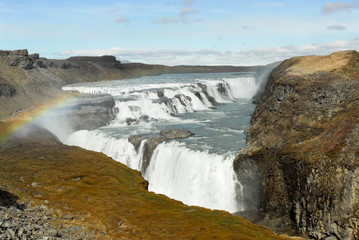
<point>303,143</point>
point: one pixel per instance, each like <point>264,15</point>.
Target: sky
<point>177,32</point>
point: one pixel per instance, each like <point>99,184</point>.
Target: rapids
<point>198,170</point>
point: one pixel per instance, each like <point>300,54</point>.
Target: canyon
<point>298,169</point>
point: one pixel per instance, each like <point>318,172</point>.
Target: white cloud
<point>332,7</point>
<point>336,27</point>
<point>122,20</point>
<point>254,56</point>
<point>182,17</point>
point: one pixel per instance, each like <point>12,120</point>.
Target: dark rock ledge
<point>88,111</point>
<point>152,143</point>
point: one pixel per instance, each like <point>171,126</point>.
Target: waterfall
<point>120,150</point>
<point>193,177</point>
<point>178,169</point>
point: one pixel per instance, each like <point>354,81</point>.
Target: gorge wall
<point>301,159</point>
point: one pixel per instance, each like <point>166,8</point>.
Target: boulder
<point>160,93</point>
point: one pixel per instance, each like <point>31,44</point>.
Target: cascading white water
<point>246,88</point>
<point>181,170</point>
<point>193,177</point>
<point>119,149</point>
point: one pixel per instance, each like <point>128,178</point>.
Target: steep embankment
<point>303,145</point>
<point>86,194</point>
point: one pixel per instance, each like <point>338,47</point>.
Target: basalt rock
<point>68,65</point>
<point>303,143</point>
<point>152,142</point>
<point>20,52</point>
<point>6,89</point>
<point>160,93</point>
<point>137,139</point>
<point>23,62</point>
<point>211,99</point>
<point>183,99</point>
<point>21,58</point>
<point>93,59</point>
<point>88,111</point>
<point>222,89</point>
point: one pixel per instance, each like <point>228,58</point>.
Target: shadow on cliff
<point>8,200</point>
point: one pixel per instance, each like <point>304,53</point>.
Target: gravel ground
<point>23,221</point>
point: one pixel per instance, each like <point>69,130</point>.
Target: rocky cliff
<point>301,164</point>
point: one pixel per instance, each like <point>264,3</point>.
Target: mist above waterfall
<point>261,78</point>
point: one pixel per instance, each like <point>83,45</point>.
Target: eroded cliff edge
<point>302,155</point>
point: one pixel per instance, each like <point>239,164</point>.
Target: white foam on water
<point>120,150</point>
<point>194,177</point>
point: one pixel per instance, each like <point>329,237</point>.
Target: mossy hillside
<point>106,196</point>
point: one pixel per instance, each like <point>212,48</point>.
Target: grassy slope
<point>100,193</point>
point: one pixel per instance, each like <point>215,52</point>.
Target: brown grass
<point>314,64</point>
<point>101,193</point>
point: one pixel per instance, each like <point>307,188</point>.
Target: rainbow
<point>12,125</point>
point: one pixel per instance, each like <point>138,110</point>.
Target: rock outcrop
<point>303,143</point>
<point>152,142</point>
<point>88,111</point>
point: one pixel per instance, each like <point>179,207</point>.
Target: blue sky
<point>173,32</point>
